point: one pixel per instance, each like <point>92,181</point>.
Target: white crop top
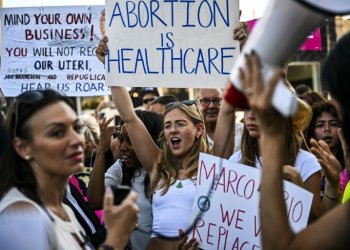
<point>172,211</point>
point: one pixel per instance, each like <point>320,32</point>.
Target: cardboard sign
<point>52,47</point>
<point>178,44</point>
<point>226,205</point>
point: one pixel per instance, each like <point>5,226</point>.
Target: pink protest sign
<point>312,42</point>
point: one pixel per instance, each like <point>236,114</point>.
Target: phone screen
<point>120,192</point>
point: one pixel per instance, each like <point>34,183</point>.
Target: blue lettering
<point>139,59</point>
<point>123,59</point>
<point>148,69</point>
<point>116,14</point>
<point>171,42</point>
<point>130,4</point>
<point>188,13</point>
<point>172,10</point>
<point>199,14</point>
<point>173,58</point>
<point>212,58</point>
<point>146,15</point>
<point>163,57</point>
<point>200,60</point>
<point>153,13</point>
<point>109,60</point>
<point>185,55</point>
<point>223,56</point>
<point>217,8</point>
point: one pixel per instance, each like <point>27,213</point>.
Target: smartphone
<point>120,192</point>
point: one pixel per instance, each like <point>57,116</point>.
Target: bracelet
<point>330,197</point>
<point>105,247</point>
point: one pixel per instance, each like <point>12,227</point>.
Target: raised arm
<point>224,136</point>
<point>96,187</point>
<point>146,150</point>
<point>330,231</point>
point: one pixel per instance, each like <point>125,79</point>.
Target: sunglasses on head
<point>148,100</point>
<point>30,97</point>
<point>185,102</point>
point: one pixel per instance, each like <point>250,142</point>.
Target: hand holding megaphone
<point>282,29</point>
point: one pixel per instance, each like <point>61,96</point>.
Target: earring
<point>27,157</point>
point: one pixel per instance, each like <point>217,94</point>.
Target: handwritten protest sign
<point>52,47</point>
<point>171,43</point>
<point>227,197</point>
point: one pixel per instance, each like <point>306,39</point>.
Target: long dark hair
<point>15,171</point>
<point>336,79</point>
<point>317,109</point>
<point>154,125</point>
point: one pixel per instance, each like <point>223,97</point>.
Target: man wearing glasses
<point>209,104</point>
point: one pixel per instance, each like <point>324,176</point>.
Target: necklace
<point>179,185</point>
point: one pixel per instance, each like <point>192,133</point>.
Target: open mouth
<point>175,141</point>
<point>125,158</point>
<point>327,139</point>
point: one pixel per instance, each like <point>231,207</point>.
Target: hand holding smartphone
<point>120,192</point>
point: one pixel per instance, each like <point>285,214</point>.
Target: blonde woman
<point>172,166</point>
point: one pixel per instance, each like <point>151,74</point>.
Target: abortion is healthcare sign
<point>171,43</point>
<point>227,198</point>
<point>52,47</point>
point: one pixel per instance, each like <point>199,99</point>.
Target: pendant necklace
<point>179,185</point>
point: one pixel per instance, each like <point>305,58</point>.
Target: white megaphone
<point>282,29</point>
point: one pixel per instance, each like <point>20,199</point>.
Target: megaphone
<point>281,30</point>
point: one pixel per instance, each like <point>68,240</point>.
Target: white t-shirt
<point>114,176</point>
<point>305,162</point>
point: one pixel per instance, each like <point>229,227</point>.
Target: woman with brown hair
<point>172,166</point>
<point>296,161</point>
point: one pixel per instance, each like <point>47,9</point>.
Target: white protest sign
<point>187,43</point>
<point>227,197</point>
<point>52,47</point>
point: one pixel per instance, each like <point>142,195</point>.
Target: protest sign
<point>171,43</point>
<point>312,41</point>
<point>52,47</point>
<point>227,200</point>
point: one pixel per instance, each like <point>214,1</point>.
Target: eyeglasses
<point>206,101</point>
<point>148,100</point>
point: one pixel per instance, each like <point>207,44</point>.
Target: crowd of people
<point>58,170</point>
